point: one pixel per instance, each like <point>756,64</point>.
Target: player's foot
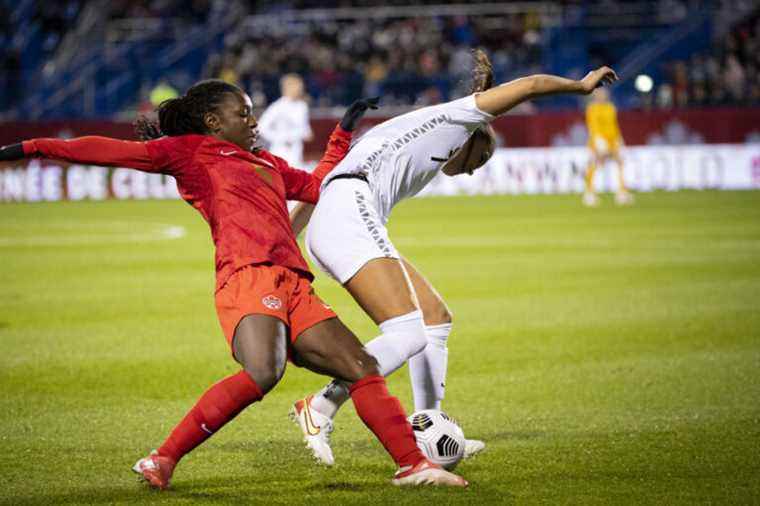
<point>155,469</point>
<point>427,473</point>
<point>624,198</point>
<point>472,447</point>
<point>316,429</point>
<point>590,199</point>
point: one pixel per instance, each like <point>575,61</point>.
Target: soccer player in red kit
<point>264,299</point>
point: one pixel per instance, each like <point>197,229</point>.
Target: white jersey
<point>285,126</point>
<point>402,155</point>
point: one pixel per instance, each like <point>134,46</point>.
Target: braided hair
<point>184,115</point>
<point>482,72</point>
<point>482,80</point>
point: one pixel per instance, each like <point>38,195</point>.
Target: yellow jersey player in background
<point>604,141</point>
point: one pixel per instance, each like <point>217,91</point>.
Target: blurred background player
<point>285,123</point>
<point>604,142</point>
<point>348,239</point>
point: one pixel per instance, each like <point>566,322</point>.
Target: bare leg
<point>382,288</point>
<point>622,197</point>
<point>621,179</point>
<point>330,348</point>
<point>434,308</point>
<point>590,171</point>
<point>260,346</point>
<point>589,196</point>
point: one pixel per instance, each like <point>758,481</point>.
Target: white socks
<point>402,338</point>
<point>427,369</point>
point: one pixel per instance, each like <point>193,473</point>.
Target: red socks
<point>220,404</point>
<point>383,414</point>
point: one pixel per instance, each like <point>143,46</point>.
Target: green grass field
<point>606,355</point>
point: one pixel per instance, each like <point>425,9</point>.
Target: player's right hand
<point>11,152</point>
<point>597,78</point>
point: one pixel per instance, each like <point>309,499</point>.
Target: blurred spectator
<point>734,78</point>
<point>726,75</point>
<point>285,123</point>
<point>403,59</point>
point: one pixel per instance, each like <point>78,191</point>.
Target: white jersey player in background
<point>284,125</point>
<point>347,237</point>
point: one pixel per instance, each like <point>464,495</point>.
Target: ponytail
<point>482,72</point>
<point>146,128</point>
<point>185,114</point>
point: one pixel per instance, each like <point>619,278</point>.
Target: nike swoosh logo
<point>203,426</point>
<point>311,429</point>
<point>227,153</point>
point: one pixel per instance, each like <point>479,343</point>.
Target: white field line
<point>113,232</point>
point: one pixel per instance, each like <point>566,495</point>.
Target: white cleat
<point>590,199</point>
<point>472,447</point>
<point>316,429</point>
<point>427,473</point>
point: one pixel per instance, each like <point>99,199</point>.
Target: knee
<point>266,375</point>
<point>437,314</point>
<point>359,365</point>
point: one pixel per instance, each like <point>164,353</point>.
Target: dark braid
<point>482,72</point>
<point>184,115</point>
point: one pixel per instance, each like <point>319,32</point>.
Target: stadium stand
<point>728,73</point>
<point>99,59</point>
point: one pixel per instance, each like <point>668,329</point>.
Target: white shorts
<point>345,231</point>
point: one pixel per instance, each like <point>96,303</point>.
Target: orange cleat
<point>155,469</point>
<point>427,473</point>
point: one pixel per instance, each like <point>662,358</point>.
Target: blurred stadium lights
<point>644,83</point>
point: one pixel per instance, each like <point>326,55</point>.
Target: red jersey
<point>242,195</point>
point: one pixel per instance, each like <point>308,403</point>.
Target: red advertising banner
<point>660,127</point>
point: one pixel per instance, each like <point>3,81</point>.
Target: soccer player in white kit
<point>285,123</point>
<point>347,237</point>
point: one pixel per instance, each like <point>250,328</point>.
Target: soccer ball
<point>439,437</point>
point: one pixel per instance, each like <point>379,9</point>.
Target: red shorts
<point>270,290</point>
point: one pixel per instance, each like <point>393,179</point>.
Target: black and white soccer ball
<point>439,437</point>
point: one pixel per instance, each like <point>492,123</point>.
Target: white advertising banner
<point>647,168</point>
<point>510,171</point>
<point>40,181</point>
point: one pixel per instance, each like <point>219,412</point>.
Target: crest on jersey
<point>272,302</point>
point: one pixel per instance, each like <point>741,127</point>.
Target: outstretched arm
<point>90,150</point>
<point>502,98</point>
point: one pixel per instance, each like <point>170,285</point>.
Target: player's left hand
<point>597,78</point>
<point>11,152</point>
<point>356,111</point>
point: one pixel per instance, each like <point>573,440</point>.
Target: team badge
<point>272,302</point>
